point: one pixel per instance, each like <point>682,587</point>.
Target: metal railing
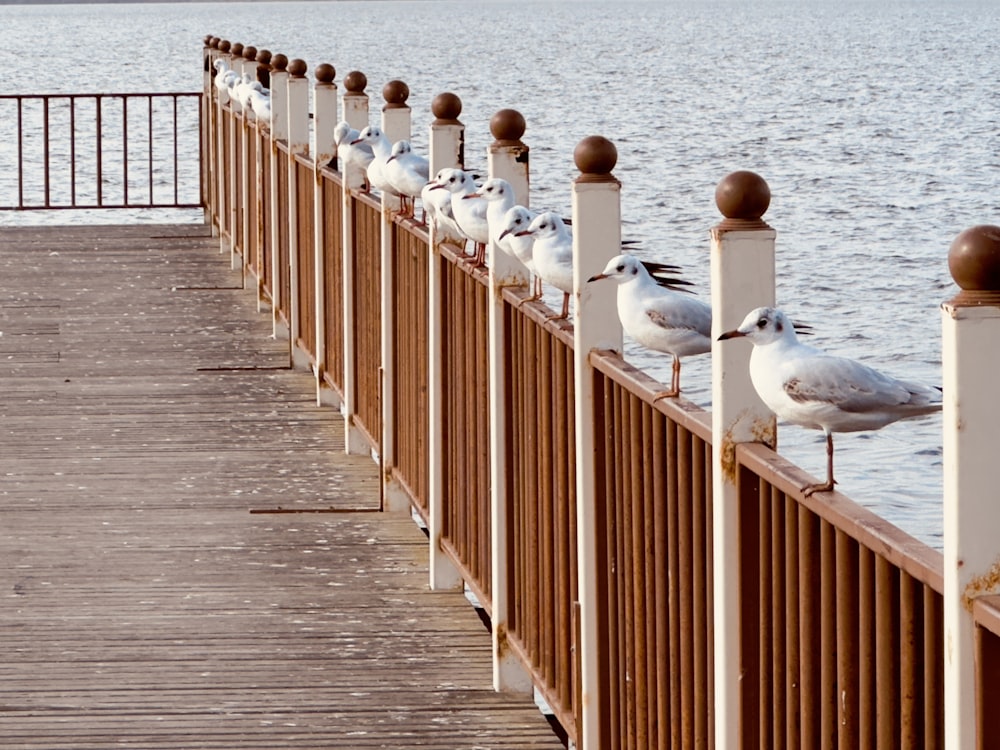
<point>840,613</point>
<point>93,151</point>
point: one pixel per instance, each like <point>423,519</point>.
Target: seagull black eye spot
<point>762,323</point>
<point>621,267</point>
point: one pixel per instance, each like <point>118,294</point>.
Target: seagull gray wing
<point>844,383</point>
<point>676,312</point>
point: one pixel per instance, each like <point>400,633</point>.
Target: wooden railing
<point>609,609</point>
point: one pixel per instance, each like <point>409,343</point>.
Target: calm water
<point>873,124</point>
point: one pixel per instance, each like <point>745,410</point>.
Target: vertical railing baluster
<point>125,150</point>
<point>149,155</point>
<point>45,146</point>
<point>20,152</point>
<point>72,150</point>
<point>98,105</point>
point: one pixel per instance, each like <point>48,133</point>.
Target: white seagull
<point>436,205</point>
<point>468,209</point>
<point>810,388</point>
<point>499,197</point>
<point>382,150</point>
<point>350,151</point>
<point>552,253</point>
<point>515,241</point>
<point>408,173</point>
<point>658,316</point>
<point>259,102</point>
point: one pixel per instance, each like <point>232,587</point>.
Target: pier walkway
<point>151,597</point>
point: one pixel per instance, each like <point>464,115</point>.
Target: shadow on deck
<point>147,418</point>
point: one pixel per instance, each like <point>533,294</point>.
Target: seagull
<point>242,90</point>
<point>351,151</point>
<point>259,102</point>
<point>516,219</point>
<point>469,209</point>
<point>499,197</point>
<point>436,204</point>
<point>657,315</point>
<point>552,253</point>
<point>408,173</point>
<point>382,150</point>
<point>808,387</point>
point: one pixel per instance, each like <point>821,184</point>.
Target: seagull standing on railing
<point>259,102</point>
<point>468,209</point>
<point>350,151</point>
<point>808,387</point>
<point>436,205</point>
<point>552,253</point>
<point>515,241</point>
<point>382,150</point>
<point>408,173</point>
<point>499,197</point>
<point>658,316</point>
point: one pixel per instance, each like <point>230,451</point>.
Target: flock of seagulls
<point>801,384</point>
<point>253,98</point>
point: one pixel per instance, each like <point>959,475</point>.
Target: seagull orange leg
<point>826,486</point>
<point>675,382</point>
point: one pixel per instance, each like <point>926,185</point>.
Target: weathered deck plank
<point>143,604</point>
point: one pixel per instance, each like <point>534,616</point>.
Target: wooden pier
<point>156,592</point>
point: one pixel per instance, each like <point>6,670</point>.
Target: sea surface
<point>874,125</point>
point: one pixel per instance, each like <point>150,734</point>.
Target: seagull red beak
<point>731,335</point>
<point>525,233</point>
<point>471,195</point>
<point>596,277</point>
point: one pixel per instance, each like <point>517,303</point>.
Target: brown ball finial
<point>743,198</point>
<point>214,44</point>
<point>297,68</point>
<point>224,45</point>
<point>250,53</point>
<point>355,82</point>
<point>595,157</point>
<point>279,62</point>
<point>325,73</point>
<point>264,56</point>
<point>208,40</point>
<point>974,262</point>
<point>395,94</point>
<point>446,108</point>
<point>237,49</point>
<point>507,125</point>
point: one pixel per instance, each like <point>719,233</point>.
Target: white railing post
<point>210,54</point>
<point>355,106</point>
<point>325,118</point>
<point>447,149</point>
<point>263,194</point>
<point>236,64</point>
<point>507,159</point>
<point>596,234</point>
<point>970,361</point>
<point>249,68</point>
<point>742,274</point>
<point>221,168</point>
<point>396,125</point>
<point>298,143</point>
<point>279,132</point>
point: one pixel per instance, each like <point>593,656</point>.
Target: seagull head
<point>762,326</point>
<point>622,268</point>
<point>516,220</point>
<point>455,181</point>
<point>544,225</point>
<point>369,135</point>
<point>399,148</point>
<point>495,190</point>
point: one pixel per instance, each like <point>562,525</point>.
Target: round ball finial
<point>279,62</point>
<point>264,56</point>
<point>237,49</point>
<point>974,259</point>
<point>508,125</point>
<point>214,44</point>
<point>250,53</point>
<point>743,195</point>
<point>325,73</point>
<point>395,94</point>
<point>208,40</point>
<point>297,68</point>
<point>595,157</point>
<point>446,107</point>
<point>355,82</point>
<point>224,46</point>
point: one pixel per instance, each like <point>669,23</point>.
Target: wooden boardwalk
<point>146,411</point>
